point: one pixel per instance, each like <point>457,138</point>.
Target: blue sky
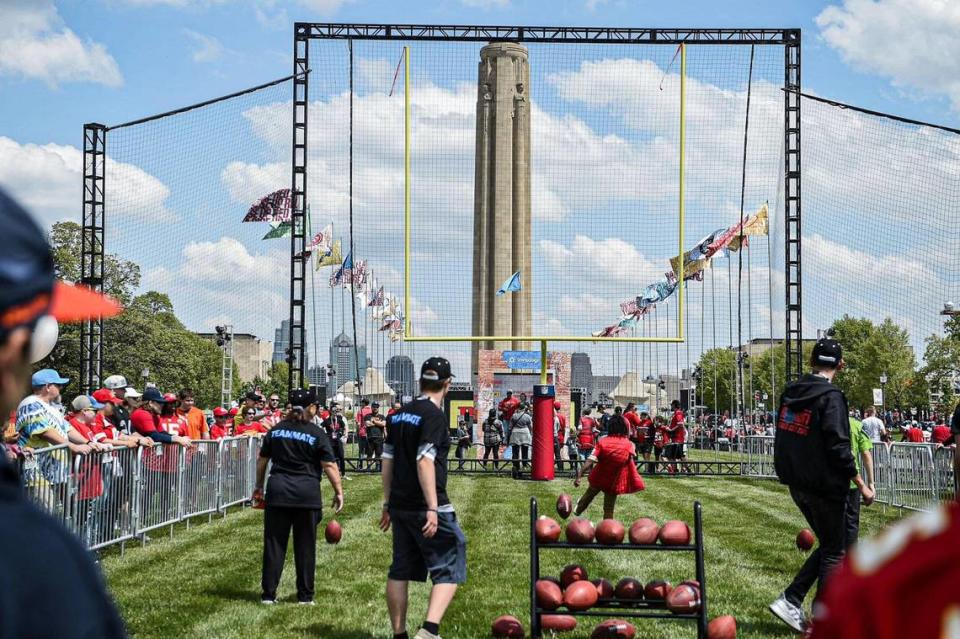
<point>172,52</point>
<point>66,63</point>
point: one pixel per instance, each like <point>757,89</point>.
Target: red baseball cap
<point>169,397</point>
<point>106,396</point>
<point>220,411</point>
<point>233,412</point>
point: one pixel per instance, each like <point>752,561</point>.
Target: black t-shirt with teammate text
<point>418,427</point>
<point>296,450</point>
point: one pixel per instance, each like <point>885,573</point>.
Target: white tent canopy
<point>632,388</point>
<point>375,388</point>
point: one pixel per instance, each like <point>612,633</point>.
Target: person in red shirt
<point>249,427</point>
<point>222,425</point>
<point>914,435</point>
<point>86,468</point>
<point>587,434</point>
<point>559,433</point>
<point>677,434</point>
<point>915,564</point>
<point>633,422</point>
<point>273,415</point>
<point>395,409</point>
<point>508,406</point>
<point>613,469</point>
<point>941,434</point>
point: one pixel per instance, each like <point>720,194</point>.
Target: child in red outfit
<point>613,469</point>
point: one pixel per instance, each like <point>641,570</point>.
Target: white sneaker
<point>424,634</point>
<point>268,602</point>
<point>789,614</point>
<point>306,603</point>
<point>348,478</point>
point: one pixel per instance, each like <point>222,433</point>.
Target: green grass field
<point>205,581</point>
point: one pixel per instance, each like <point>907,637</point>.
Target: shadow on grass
<point>765,628</point>
<point>327,631</point>
<point>235,594</point>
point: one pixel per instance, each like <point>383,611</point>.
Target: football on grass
<point>610,532</point>
<point>564,505</point>
<point>724,627</point>
<point>614,629</point>
<point>580,531</point>
<point>675,533</point>
<point>805,539</point>
<point>684,599</point>
<point>333,532</point>
<point>580,595</point>
<point>548,530</point>
<point>629,588</point>
<point>604,588</point>
<point>551,579</point>
<point>549,595</point>
<point>507,626</point>
<point>657,590</point>
<point>558,623</point>
<point>644,531</point>
<point>572,573</point>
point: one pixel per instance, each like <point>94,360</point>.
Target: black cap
<point>435,369</point>
<point>301,398</point>
<point>827,352</point>
<point>375,405</point>
<point>152,394</point>
<point>26,268</point>
<point>253,397</point>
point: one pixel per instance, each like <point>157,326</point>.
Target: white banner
<point>877,396</point>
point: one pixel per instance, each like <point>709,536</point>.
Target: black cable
<point>743,188</point>
<point>353,258</point>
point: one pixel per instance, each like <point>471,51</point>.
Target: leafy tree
<point>276,381</point>
<point>120,277</point>
<point>717,387</point>
<point>942,364</point>
<point>870,350</point>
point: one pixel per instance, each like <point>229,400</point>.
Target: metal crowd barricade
<point>881,472</point>
<point>46,478</point>
<point>943,467</point>
<point>238,463</point>
<point>198,480</point>
<point>759,453</point>
<point>159,491</point>
<point>913,478</point>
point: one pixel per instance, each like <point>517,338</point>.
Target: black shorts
<point>444,556</point>
<point>644,449</point>
<point>676,451</point>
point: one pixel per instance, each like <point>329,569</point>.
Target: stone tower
<point>501,222</point>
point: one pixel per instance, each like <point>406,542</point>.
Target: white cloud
<point>35,44</point>
<point>246,288</point>
<point>912,42</point>
<point>206,48</point>
<point>48,179</point>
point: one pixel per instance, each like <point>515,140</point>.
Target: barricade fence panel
<point>112,497</point>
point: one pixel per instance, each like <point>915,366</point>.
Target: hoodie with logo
<point>812,441</point>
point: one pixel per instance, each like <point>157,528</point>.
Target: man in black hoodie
<point>812,456</point>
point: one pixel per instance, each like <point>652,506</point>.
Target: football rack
<point>614,607</point>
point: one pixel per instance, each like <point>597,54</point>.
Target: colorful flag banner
<point>278,230</point>
<point>322,240</point>
<point>629,307</point>
<point>511,285</point>
<point>760,223</point>
<point>274,207</point>
<point>377,299</point>
<point>332,258</point>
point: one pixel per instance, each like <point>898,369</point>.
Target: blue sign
<point>643,408</point>
<point>522,360</point>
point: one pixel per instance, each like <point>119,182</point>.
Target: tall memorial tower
<point>501,222</point>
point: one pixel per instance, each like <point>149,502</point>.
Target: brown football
<point>614,629</point>
<point>657,590</point>
<point>564,505</point>
<point>684,599</point>
<point>675,533</point>
<point>610,532</point>
<point>580,531</point>
<point>805,539</point>
<point>548,530</point>
<point>507,626</point>
<point>552,579</point>
<point>604,588</point>
<point>333,532</point>
<point>558,623</point>
<point>549,595</point>
<point>644,531</point>
<point>572,573</point>
<point>724,627</point>
<point>580,595</point>
<point>629,588</point>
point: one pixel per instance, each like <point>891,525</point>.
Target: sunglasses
<point>249,414</point>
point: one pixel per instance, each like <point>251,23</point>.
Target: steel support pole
<point>91,250</point>
<point>298,202</point>
<point>793,337</point>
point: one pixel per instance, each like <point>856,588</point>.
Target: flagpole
<point>406,188</point>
